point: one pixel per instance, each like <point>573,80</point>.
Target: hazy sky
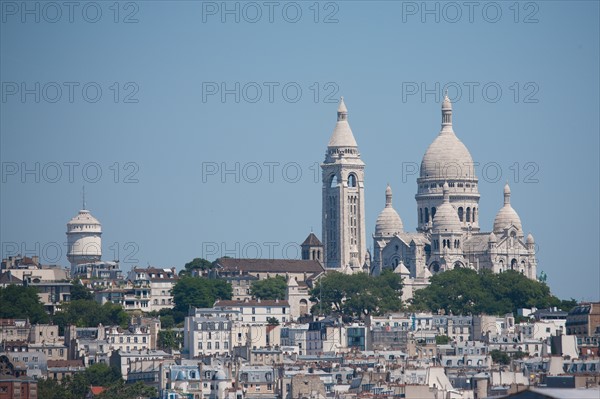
<point>198,127</point>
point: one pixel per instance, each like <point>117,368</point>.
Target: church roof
<point>270,265</point>
<point>312,241</point>
<point>401,269</point>
<point>388,222</point>
<point>477,242</point>
<point>342,134</point>
<point>447,157</point>
<point>446,218</point>
<point>507,215</point>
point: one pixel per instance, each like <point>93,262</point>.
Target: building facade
<point>343,214</point>
<point>448,232</point>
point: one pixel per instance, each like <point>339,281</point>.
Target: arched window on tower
<point>474,215</point>
<point>460,213</point>
<point>333,182</point>
<point>468,215</point>
<point>513,264</point>
<point>426,215</point>
<point>420,215</point>
<point>433,212</point>
<point>351,180</point>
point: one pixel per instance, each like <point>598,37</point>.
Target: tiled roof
<point>66,363</point>
<point>96,390</point>
<point>8,278</point>
<point>270,265</point>
<point>312,241</point>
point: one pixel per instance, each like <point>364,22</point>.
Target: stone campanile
<point>343,213</point>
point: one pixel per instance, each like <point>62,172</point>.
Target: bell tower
<point>343,214</point>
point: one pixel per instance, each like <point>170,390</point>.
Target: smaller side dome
<point>388,222</point>
<point>446,218</point>
<point>506,215</point>
<point>530,239</point>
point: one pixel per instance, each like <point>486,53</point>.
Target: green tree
<point>49,388</point>
<point>169,339</point>
<point>198,292</point>
<point>357,295</point>
<point>273,321</point>
<point>167,321</point>
<point>101,374</point>
<point>78,291</point>
<point>464,291</point>
<point>195,264</point>
<point>120,390</point>
<point>87,313</point>
<point>500,357</point>
<point>270,288</point>
<point>442,339</point>
<point>19,302</point>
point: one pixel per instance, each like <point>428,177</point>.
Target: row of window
<point>450,184</point>
<point>446,244</point>
<point>470,215</point>
<point>217,345</point>
<point>135,340</point>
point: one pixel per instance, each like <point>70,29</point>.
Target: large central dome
<point>447,157</point>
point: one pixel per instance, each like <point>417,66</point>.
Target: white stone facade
<point>448,233</point>
<point>84,242</point>
<point>343,216</point>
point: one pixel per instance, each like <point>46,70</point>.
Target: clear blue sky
<point>543,56</point>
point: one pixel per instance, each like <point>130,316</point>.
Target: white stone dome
<point>507,215</point>
<point>388,222</point>
<point>530,239</point>
<point>342,134</point>
<point>447,157</point>
<point>446,217</point>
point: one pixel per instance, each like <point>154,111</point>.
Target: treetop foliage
<point>270,288</point>
<point>196,264</point>
<point>198,292</point>
<point>465,291</point>
<point>19,302</point>
<point>357,295</point>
